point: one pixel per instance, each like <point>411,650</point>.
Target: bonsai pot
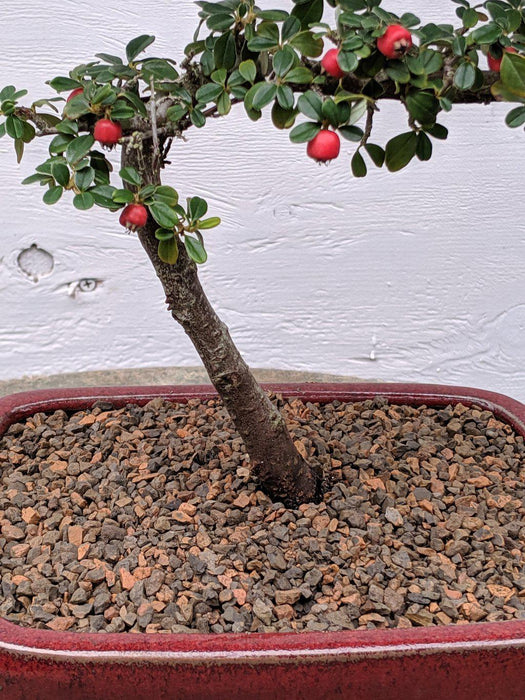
<point>457,662</point>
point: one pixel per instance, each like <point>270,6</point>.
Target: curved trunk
<point>281,471</point>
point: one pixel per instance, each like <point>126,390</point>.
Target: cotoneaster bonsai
<point>265,60</point>
<point>283,61</point>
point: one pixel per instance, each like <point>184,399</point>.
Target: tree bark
<point>280,470</point>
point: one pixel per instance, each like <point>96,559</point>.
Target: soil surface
<point>145,519</point>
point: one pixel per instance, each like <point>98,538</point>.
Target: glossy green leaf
<point>400,150</point>
<point>83,201</point>
<point>358,165</point>
<point>131,176</point>
<point>248,70</point>
<point>168,251</point>
<point>376,153</point>
<point>305,132</point>
<point>465,76</point>
<point>197,208</point>
<point>79,148</point>
<point>85,178</point>
<point>138,45</point>
<point>163,214</point>
<point>311,105</point>
<point>195,249</point>
<point>122,196</point>
<point>53,194</point>
<point>299,75</point>
<point>212,222</point>
<point>167,194</point>
<point>516,117</point>
<point>307,44</point>
<point>61,173</point>
<point>513,73</point>
<point>424,146</point>
<point>264,95</point>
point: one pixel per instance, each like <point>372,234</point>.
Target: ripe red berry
<point>134,216</point>
<point>76,91</point>
<point>495,63</point>
<point>331,64</point>
<point>325,146</point>
<point>395,42</point>
<point>107,133</point>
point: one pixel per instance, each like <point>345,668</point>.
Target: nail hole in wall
<point>35,263</point>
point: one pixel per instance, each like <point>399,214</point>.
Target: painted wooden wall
<point>415,276</point>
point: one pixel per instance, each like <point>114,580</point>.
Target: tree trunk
<point>281,471</point>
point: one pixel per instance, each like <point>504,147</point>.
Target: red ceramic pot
<point>482,661</point>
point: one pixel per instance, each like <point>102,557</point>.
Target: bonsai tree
<point>322,82</point>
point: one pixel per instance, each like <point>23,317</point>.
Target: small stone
<point>81,611</point>
<point>262,611</point>
<point>242,501</point>
<point>127,580</point>
<point>61,624</point>
<point>287,597</point>
<point>75,534</point>
<point>12,532</point>
<point>394,516</point>
<point>30,516</point>
<point>284,612</point>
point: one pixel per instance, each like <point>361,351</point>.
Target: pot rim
<point>261,647</point>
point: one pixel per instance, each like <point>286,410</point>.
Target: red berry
<point>495,63</point>
<point>331,64</point>
<point>325,146</point>
<point>76,91</point>
<point>395,42</point>
<point>107,133</point>
<point>134,216</point>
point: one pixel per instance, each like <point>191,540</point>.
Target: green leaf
<point>305,132</point>
<point>197,118</point>
<point>77,107</point>
<point>470,18</point>
<point>169,251</point>
<point>465,76</point>
<point>307,44</point>
<point>283,60</point>
<point>59,143</point>
<point>177,112</point>
<point>19,150</point>
<point>163,234</point>
<point>79,148</point>
<point>376,153</point>
<point>400,150</point>
<point>61,173</point>
<point>37,177</point>
<point>290,28</point>
<point>398,71</point>
<point>308,12</point>
<point>197,208</point>
<point>163,214</point>
<point>248,71</point>
<point>516,117</point>
<point>422,106</point>
<point>138,45</point>
<point>208,93</point>
<point>131,176</point>
<point>351,133</point>
<point>102,195</point>
<point>83,201</point>
<point>438,131</point>
<point>67,127</point>
<point>195,249</point>
<point>220,22</point>
<point>487,34</point>
<point>84,178</point>
<point>135,101</point>
<point>121,110</point>
<point>122,196</point>
<point>212,222</point>
<point>53,195</point>
<point>14,127</point>
<point>225,51</point>
<point>264,95</point>
<point>331,112</point>
<point>165,193</point>
<point>513,73</point>
<point>299,75</point>
<point>273,15</point>
<point>283,118</point>
<point>285,97</point>
<point>348,61</point>
<point>62,84</point>
<point>311,105</point>
<point>358,164</point>
<point>224,104</point>
<point>424,146</point>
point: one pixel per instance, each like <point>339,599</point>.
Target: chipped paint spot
<point>35,263</point>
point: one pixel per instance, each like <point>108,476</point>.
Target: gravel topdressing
<point>145,519</point>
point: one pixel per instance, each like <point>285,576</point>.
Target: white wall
<point>415,276</point>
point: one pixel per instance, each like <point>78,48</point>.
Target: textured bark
<point>281,471</point>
